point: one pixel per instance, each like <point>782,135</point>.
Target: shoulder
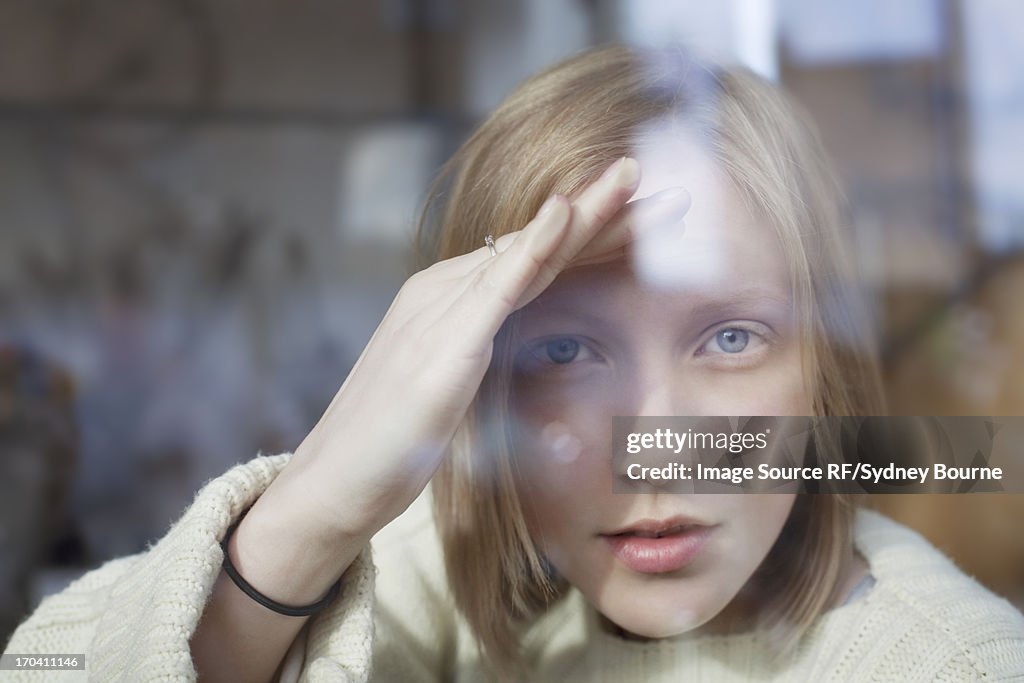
<point>926,608</point>
<point>136,614</point>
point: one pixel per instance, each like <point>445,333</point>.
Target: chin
<point>658,622</point>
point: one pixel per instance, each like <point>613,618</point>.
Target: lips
<point>659,533</point>
<point>659,547</point>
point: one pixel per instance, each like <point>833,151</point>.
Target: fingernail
<point>626,172</point>
<point>629,174</point>
<point>548,206</point>
<point>613,170</point>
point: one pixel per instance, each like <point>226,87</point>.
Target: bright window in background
<point>993,54</point>
<point>819,32</point>
<point>729,31</point>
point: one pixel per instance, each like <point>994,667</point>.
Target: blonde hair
<point>555,133</point>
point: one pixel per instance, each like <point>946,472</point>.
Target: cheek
<point>765,513</point>
<point>562,449</point>
<point>560,424</point>
<point>776,387</point>
<point>757,520</point>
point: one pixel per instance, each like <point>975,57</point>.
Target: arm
<point>134,616</point>
<point>357,470</point>
<point>238,639</point>
<point>383,436</point>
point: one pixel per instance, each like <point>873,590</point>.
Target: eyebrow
<point>734,302</point>
<point>742,299</point>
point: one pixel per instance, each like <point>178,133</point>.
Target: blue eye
<point>732,339</point>
<point>555,354</point>
<point>738,344</point>
<point>562,351</point>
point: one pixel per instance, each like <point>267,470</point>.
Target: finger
<point>595,206</point>
<point>646,216</point>
<point>494,288</point>
<point>460,266</point>
<point>603,198</point>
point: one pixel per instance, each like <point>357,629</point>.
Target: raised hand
<point>384,434</point>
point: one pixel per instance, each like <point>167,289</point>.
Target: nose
<point>657,392</point>
<point>652,397</point>
<point>659,398</point>
<point>659,388</point>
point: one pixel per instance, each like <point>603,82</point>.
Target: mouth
<point>660,533</point>
<point>659,547</point>
<point>652,528</point>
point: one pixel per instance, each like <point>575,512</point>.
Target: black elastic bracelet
<point>246,588</point>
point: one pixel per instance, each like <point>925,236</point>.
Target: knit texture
<point>923,620</point>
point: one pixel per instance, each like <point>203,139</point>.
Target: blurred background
<point>207,205</point>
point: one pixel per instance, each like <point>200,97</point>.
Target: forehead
<point>720,251</point>
<point>719,239</point>
<point>613,291</point>
<point>673,153</point>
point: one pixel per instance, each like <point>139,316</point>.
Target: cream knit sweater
<point>923,620</point>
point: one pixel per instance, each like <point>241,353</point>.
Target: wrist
<point>325,504</point>
<point>243,585</point>
<point>285,554</point>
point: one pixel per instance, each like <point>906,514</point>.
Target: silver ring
<point>489,241</point>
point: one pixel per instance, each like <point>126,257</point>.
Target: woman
<point>499,368</point>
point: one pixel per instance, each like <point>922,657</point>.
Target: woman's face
<point>698,321</point>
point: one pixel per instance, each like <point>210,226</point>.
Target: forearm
<point>287,558</point>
